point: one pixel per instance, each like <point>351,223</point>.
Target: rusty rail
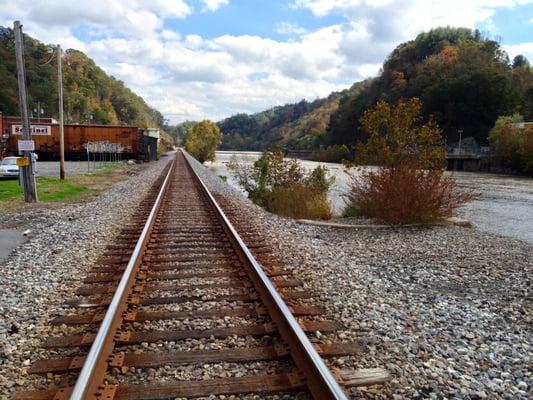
<point>94,369</point>
<point>319,379</point>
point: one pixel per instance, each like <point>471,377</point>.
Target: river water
<point>504,205</point>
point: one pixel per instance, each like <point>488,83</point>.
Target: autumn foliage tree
<point>396,134</point>
<point>504,139</point>
<point>465,81</point>
<point>409,185</point>
<point>512,144</point>
<point>202,140</point>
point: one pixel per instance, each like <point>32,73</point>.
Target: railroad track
<point>179,294</point>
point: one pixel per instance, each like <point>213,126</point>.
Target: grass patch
<point>106,169</point>
<point>72,189</point>
<point>351,210</point>
<point>49,189</point>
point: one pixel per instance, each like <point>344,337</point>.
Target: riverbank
<point>444,309</point>
<point>504,207</point>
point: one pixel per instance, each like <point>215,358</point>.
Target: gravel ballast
<point>445,309</point>
<point>41,274</point>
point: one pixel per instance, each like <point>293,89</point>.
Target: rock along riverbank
<point>445,309</point>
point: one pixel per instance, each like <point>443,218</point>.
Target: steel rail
<point>95,366</point>
<point>319,379</point>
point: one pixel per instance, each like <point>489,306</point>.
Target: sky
<point>197,59</point>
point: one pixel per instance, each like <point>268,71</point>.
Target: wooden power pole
<point>28,177</point>
<point>61,122</point>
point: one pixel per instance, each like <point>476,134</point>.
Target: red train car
<point>45,132</point>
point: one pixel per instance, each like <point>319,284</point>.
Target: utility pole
<point>61,122</point>
<point>28,178</point>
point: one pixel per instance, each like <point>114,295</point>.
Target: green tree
<point>511,143</point>
<point>463,80</point>
<point>504,139</point>
<point>397,133</point>
<point>520,62</point>
<point>179,131</point>
<point>526,151</point>
<point>202,140</point>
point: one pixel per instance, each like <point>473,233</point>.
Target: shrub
<point>404,194</point>
<point>409,186</point>
<point>268,172</point>
<point>351,209</point>
<point>397,134</point>
<point>283,187</point>
<point>335,153</point>
<point>526,151</point>
<point>319,181</point>
<point>299,201</point>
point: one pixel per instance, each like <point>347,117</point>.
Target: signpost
<point>26,145</point>
<point>23,161</point>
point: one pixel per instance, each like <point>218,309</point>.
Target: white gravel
<point>44,272</point>
<point>446,310</point>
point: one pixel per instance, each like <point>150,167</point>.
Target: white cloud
<point>130,18</point>
<point>526,49</point>
<point>168,34</point>
<point>213,5</point>
<point>286,28</point>
<point>193,77</point>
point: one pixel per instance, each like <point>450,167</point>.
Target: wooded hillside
<point>301,125</point>
<point>463,80</point>
<point>90,95</point>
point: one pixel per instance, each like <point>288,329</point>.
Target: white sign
<point>42,130</point>
<point>26,145</point>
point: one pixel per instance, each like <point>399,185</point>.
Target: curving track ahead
<point>179,274</point>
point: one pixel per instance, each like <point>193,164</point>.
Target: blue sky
<point>194,59</point>
<point>251,17</point>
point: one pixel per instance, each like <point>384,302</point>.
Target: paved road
<point>51,168</point>
<point>9,239</point>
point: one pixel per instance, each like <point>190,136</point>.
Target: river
<point>504,205</point>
